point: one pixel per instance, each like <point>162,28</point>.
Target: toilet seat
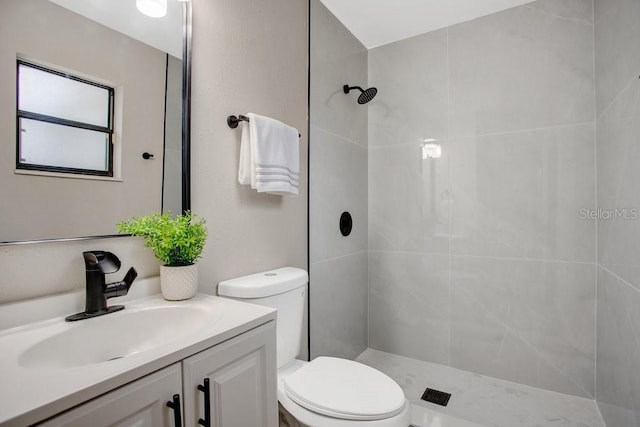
<point>306,418</point>
<point>344,391</point>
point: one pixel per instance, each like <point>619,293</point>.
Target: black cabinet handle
<point>207,403</point>
<point>175,405</point>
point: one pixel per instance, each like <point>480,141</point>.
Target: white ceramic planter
<point>178,283</point>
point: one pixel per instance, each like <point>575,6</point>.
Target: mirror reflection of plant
<point>175,241</point>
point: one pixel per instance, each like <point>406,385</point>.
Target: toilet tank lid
<point>264,284</point>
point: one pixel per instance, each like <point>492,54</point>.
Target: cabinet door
<point>242,381</point>
<point>142,403</point>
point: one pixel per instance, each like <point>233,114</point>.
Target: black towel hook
<point>232,121</point>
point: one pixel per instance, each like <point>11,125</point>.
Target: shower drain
<point>436,396</point>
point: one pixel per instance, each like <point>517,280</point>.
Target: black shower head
<point>366,95</point>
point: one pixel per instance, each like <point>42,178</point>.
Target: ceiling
<point>378,22</point>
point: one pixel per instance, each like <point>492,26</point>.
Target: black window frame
<point>21,114</point>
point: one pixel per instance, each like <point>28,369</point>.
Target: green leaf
<point>175,241</point>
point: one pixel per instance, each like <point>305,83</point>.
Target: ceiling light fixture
<point>152,8</point>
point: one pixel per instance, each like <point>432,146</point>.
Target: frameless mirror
<point>94,116</point>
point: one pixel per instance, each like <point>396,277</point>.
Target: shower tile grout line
<point>595,157</point>
<point>368,152</point>
<point>322,261</point>
<point>626,151</point>
<point>341,137</point>
<point>558,261</point>
<point>448,62</point>
<point>479,135</point>
<point>508,132</point>
<point>368,249</point>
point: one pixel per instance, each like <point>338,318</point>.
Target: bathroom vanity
<point>205,361</point>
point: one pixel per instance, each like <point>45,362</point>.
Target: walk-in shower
<point>499,291</point>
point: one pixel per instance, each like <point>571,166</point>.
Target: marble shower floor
<point>478,400</point>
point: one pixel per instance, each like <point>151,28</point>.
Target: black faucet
<point>99,263</point>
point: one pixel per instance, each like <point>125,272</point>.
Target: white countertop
<point>31,394</point>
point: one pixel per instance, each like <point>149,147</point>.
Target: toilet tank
<point>283,289</point>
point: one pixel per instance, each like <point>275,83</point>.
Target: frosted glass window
<point>51,94</point>
<point>65,122</point>
<point>48,144</point>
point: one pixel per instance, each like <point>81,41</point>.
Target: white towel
<point>262,172</point>
<point>269,156</point>
<point>244,168</point>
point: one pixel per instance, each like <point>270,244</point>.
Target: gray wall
<point>480,260</point>
<point>617,58</point>
<point>248,56</point>
<point>338,173</point>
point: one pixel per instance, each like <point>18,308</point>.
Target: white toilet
<point>328,391</point>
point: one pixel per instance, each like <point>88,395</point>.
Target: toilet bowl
<point>369,414</point>
<point>328,391</point>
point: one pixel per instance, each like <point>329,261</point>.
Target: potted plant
<point>177,242</point>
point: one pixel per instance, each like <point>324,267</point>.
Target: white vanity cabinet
<point>234,383</point>
<point>242,390</point>
<point>142,403</point>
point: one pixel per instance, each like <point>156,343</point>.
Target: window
<point>64,123</point>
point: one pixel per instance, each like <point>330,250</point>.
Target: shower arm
<point>347,88</point>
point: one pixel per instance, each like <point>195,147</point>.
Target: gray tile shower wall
<point>618,151</point>
<point>480,259</point>
<point>618,367</point>
<point>340,298</point>
<point>338,173</point>
<point>617,63</point>
<point>520,69</point>
<point>527,321</point>
<point>617,40</point>
<point>519,195</point>
<point>409,304</point>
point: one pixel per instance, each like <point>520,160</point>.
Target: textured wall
<point>248,56</point>
<point>480,259</point>
<point>338,173</point>
<point>617,58</point>
<point>40,269</point>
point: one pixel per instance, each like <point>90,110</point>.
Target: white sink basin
<point>115,336</point>
<point>49,365</point>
